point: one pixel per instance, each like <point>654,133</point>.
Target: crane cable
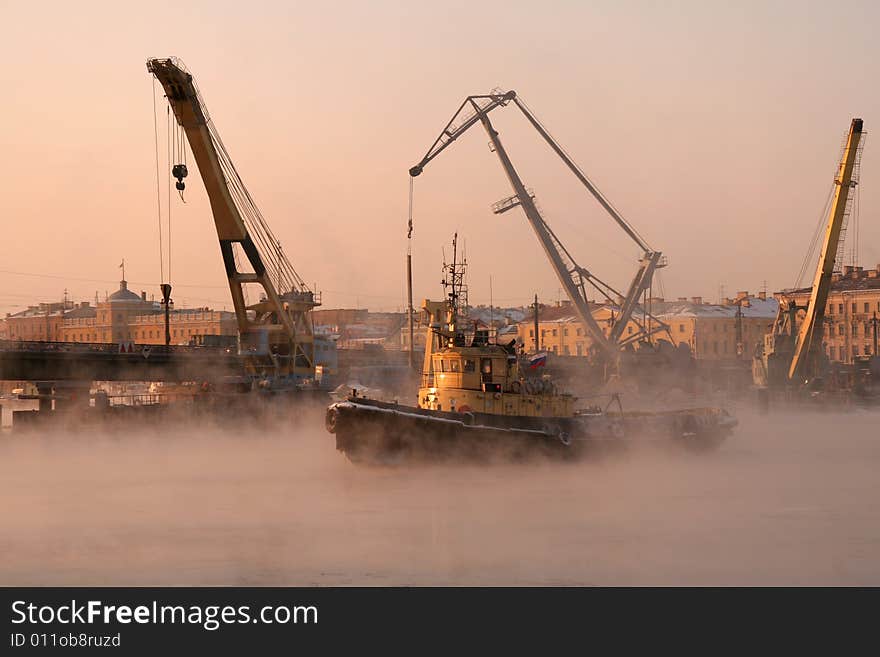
<point>856,226</point>
<point>158,185</point>
<point>531,115</point>
<point>409,226</point>
<point>170,139</point>
<point>814,242</point>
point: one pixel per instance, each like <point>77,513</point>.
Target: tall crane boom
<point>277,331</point>
<point>573,277</point>
<point>810,332</point>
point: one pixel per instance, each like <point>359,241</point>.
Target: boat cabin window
<point>469,365</point>
<point>486,369</point>
<point>455,365</point>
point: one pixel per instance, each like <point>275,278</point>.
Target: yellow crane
<point>791,354</point>
<point>276,333</point>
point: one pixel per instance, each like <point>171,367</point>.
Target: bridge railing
<point>103,348</point>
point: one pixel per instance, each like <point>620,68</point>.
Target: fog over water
<point>789,499</point>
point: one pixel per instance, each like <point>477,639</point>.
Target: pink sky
<point>713,126</point>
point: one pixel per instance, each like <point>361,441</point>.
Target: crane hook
<point>179,171</point>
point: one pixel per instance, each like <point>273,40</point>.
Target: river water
<point>789,499</point>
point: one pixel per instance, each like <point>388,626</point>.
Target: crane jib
<point>476,109</point>
<point>276,333</point>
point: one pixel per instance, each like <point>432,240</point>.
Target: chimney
<point>856,273</point>
<point>873,273</point>
<point>847,270</point>
<point>143,296</point>
<point>682,298</point>
<point>697,300</point>
<point>727,301</point>
<point>742,294</point>
<point>762,295</point>
<point>84,304</point>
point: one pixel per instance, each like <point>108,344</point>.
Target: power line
<point>100,280</point>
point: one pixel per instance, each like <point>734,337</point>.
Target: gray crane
<point>572,276</point>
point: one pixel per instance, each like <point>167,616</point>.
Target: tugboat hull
<point>372,431</point>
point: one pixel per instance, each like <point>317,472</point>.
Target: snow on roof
<point>759,308</point>
<point>484,314</point>
<point>756,308</point>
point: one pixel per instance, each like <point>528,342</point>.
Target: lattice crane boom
<point>810,333</point>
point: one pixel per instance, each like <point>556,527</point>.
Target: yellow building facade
<point>709,330</point>
<point>852,315</point>
<point>121,318</point>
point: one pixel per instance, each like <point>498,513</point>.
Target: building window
<point>565,331</point>
<point>531,333</point>
<point>681,328</point>
<point>580,349</point>
<point>554,333</point>
<point>840,329</point>
<point>854,306</point>
<point>629,330</point>
<point>840,308</point>
<point>867,306</point>
<point>578,332</point>
<point>566,351</point>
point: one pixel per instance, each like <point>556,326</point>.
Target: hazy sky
<point>713,126</point>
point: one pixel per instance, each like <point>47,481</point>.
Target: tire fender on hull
<point>331,419</point>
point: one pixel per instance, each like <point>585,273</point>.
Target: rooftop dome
<point>124,294</point>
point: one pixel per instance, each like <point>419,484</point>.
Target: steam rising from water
<point>789,499</point>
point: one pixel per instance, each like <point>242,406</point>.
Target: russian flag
<point>538,360</point>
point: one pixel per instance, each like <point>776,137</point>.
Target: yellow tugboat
<point>477,399</point>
